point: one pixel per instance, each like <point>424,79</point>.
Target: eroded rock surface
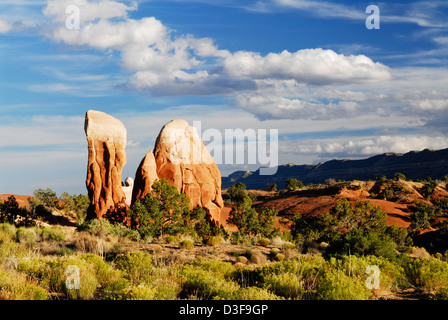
<point>182,159</point>
<point>106,138</point>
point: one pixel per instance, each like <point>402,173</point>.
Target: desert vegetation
<point>168,251</point>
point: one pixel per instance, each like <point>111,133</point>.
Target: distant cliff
<point>414,165</point>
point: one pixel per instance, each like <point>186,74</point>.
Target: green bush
<point>171,239</point>
<point>213,241</point>
<point>50,234</point>
<point>204,284</point>
<point>136,266</point>
<point>16,286</point>
<point>26,236</point>
<point>253,293</point>
<point>431,275</point>
<point>52,274</point>
<point>264,242</point>
<point>334,284</point>
<point>132,292</point>
<point>186,244</point>
<point>103,228</point>
<point>285,285</point>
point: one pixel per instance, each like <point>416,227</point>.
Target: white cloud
<point>347,147</point>
<point>314,66</point>
<point>277,107</point>
<point>4,26</point>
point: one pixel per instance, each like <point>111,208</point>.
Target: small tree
<point>244,217</point>
<point>237,192</point>
<point>266,221</point>
<point>292,184</point>
<point>271,187</point>
<point>47,198</point>
<point>161,211</point>
<point>399,176</point>
<point>76,204</point>
<point>9,210</point>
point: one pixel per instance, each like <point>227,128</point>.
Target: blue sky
<point>309,68</point>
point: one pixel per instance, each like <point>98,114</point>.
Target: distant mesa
<point>179,157</point>
<point>414,165</point>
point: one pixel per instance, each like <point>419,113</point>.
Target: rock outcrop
<point>128,187</point>
<point>106,138</point>
<point>182,159</point>
<point>145,176</point>
<point>179,157</point>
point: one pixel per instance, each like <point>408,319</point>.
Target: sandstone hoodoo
<point>106,138</point>
<point>144,177</point>
<point>182,159</point>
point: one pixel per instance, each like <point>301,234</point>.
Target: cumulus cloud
<point>314,66</point>
<point>163,64</point>
<point>314,84</point>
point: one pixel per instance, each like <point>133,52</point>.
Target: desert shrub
<point>242,259</point>
<point>264,242</point>
<point>213,241</point>
<point>171,239</point>
<point>285,285</point>
<point>103,228</point>
<point>47,233</point>
<point>253,293</point>
<point>52,274</point>
<point>16,286</point>
<point>132,292</point>
<point>271,187</point>
<point>26,236</point>
<point>429,274</point>
<point>279,257</point>
<point>392,275</point>
<point>186,244</point>
<point>255,256</point>
<point>334,284</point>
<point>220,267</point>
<point>8,246</point>
<point>205,284</point>
<point>136,266</point>
<point>110,279</point>
<point>88,243</point>
<point>7,229</point>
